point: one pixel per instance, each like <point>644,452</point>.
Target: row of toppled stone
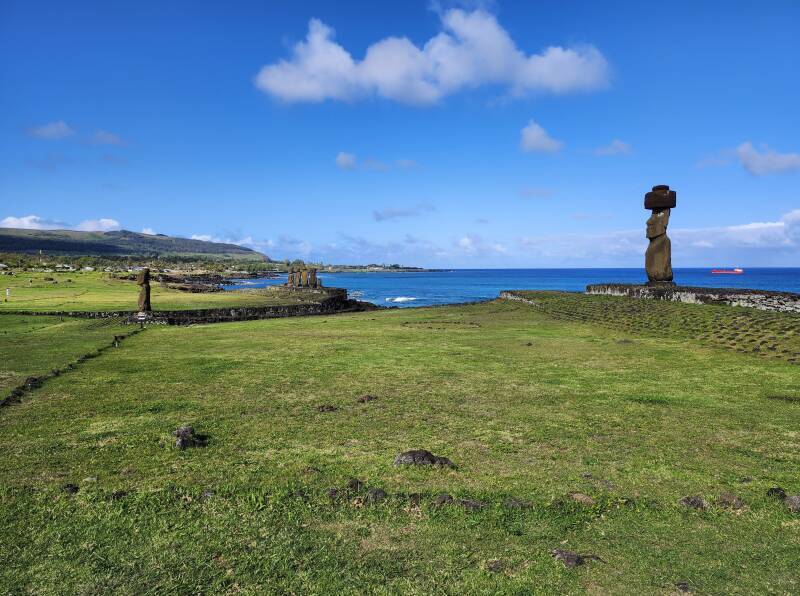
<point>731,501</point>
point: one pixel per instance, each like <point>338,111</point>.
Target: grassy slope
<point>100,292</point>
<point>32,346</point>
<point>527,406</point>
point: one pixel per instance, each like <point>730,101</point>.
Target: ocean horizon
<point>454,286</point>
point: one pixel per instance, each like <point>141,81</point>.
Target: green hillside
<point>121,243</point>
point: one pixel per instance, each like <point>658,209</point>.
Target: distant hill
<point>121,243</point>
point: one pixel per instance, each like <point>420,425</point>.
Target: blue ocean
<point>470,285</point>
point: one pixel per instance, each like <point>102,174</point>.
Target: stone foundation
<point>759,299</point>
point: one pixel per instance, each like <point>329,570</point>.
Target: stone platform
<point>760,299</point>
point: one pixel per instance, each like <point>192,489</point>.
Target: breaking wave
<point>401,299</point>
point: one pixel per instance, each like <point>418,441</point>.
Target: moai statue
<point>312,278</point>
<point>290,278</point>
<point>658,258</point>
<point>304,278</point>
<point>143,280</point>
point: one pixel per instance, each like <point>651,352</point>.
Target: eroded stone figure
<point>143,280</point>
<point>658,258</point>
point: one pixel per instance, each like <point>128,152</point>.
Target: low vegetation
<point>569,437</point>
<point>95,291</point>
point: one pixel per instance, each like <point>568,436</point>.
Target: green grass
<point>33,346</point>
<point>528,406</point>
<point>93,291</point>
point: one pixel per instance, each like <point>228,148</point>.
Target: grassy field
<point>529,404</point>
<point>95,291</point>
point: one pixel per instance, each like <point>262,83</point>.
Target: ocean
<point>470,285</point>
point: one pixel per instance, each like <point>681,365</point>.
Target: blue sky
<point>506,134</point>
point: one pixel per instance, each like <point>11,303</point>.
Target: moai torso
<point>658,258</point>
<point>143,280</point>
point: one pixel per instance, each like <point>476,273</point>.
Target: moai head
<point>143,278</point>
<point>657,223</point>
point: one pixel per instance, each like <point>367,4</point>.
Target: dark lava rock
<point>443,499</point>
<point>355,485</point>
<point>415,499</point>
<point>529,344</point>
<point>471,505</point>
<point>776,492</point>
<point>33,382</point>
<point>365,398</point>
<point>119,495</point>
<point>517,504</point>
<point>571,559</point>
<point>69,488</point>
<point>683,587</point>
<point>793,503</point>
<point>333,494</point>
<point>730,501</point>
<point>185,437</point>
<point>376,495</point>
<point>421,457</point>
<point>327,408</point>
<point>695,502</point>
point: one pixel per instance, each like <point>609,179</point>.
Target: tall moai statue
<point>143,281</point>
<point>658,258</point>
<point>312,278</point>
<point>290,278</point>
<point>304,278</point>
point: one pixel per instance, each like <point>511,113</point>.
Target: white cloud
<point>535,138</point>
<point>471,50</point>
<point>99,225</point>
<point>615,147</point>
<point>34,222</point>
<point>51,131</point>
<point>103,137</point>
<point>766,161</point>
<point>31,222</point>
<point>346,161</point>
<point>149,231</point>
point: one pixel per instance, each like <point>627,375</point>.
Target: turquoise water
<point>470,285</point>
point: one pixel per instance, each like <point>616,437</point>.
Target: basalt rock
<point>421,457</point>
<point>694,502</point>
<point>572,559</point>
<point>776,492</point>
<point>186,437</point>
<point>793,503</point>
<point>730,501</point>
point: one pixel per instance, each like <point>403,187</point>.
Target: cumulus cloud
<point>31,222</point>
<point>472,50</point>
<point>34,222</point>
<point>766,161</point>
<point>149,231</point>
<point>51,131</point>
<point>389,214</point>
<point>615,147</point>
<point>345,161</point>
<point>534,138</point>
<point>103,224</point>
<point>103,137</point>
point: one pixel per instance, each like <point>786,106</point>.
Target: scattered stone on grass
<point>185,437</point>
<point>471,505</point>
<point>694,502</point>
<point>730,501</point>
<point>333,493</point>
<point>776,492</point>
<point>366,398</point>
<point>375,495</point>
<point>571,559</point>
<point>583,499</point>
<point>513,503</point>
<point>70,488</point>
<point>119,495</point>
<point>793,503</point>
<point>443,499</point>
<point>683,587</point>
<point>421,457</point>
<point>355,485</point>
<point>327,408</point>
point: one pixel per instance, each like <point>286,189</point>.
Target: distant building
<point>63,267</point>
<point>88,269</point>
<point>3,266</point>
